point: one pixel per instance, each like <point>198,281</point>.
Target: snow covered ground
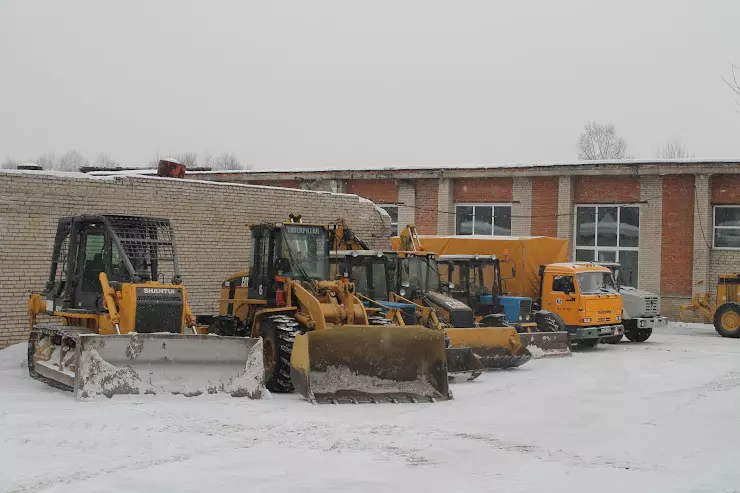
<point>659,416</point>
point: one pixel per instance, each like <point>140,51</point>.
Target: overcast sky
<point>347,83</point>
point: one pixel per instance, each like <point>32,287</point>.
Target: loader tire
<point>638,335</point>
<point>379,321</point>
<point>727,320</point>
<point>278,334</point>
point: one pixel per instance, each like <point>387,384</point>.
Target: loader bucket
<point>545,344</point>
<point>495,347</point>
<point>463,365</point>
<point>362,363</point>
<point>162,363</point>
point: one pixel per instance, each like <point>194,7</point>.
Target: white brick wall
<point>446,207</point>
<point>521,209</point>
<point>651,226</point>
<point>722,262</point>
<point>702,233</point>
<point>406,195</point>
<point>565,211</point>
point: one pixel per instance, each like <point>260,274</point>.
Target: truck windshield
<point>307,249</point>
<point>595,282</point>
<point>421,273</point>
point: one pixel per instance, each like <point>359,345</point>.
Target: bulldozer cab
<point>294,251</point>
<point>125,248</point>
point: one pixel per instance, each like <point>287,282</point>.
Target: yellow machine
<point>317,335</point>
<point>418,279</point>
<point>582,299</point>
<point>724,310</point>
<point>121,329</point>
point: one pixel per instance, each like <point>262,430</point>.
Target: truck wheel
<point>549,322</point>
<point>727,320</point>
<point>588,342</point>
<point>638,335</point>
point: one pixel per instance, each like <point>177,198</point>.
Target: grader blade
<point>546,344</point>
<point>161,363</point>
<point>495,347</point>
<point>360,364</point>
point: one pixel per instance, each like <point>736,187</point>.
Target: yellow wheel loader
<point>371,272</point>
<point>120,328</point>
<point>317,335</point>
<point>724,310</point>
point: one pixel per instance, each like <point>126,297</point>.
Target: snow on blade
<point>336,379</point>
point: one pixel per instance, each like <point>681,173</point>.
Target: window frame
<point>715,227</point>
<point>617,248</point>
<point>493,206</point>
<point>393,224</point>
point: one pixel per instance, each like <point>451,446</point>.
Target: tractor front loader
<point>121,328</point>
<point>724,310</point>
<point>318,338</point>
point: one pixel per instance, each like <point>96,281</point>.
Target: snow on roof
<point>62,174</point>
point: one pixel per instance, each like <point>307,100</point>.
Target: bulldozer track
<point>68,334</point>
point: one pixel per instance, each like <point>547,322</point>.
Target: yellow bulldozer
<point>724,310</point>
<point>318,338</point>
<point>120,328</point>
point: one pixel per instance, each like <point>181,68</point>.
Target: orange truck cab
<point>584,299</point>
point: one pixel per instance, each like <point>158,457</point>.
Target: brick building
<point>670,223</point>
<point>210,221</point>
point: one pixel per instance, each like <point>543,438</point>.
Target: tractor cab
<point>417,273</point>
<point>468,278</point>
<point>370,270</point>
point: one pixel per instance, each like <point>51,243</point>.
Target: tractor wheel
<point>727,320</point>
<point>549,322</point>
<point>638,335</point>
<point>278,334</point>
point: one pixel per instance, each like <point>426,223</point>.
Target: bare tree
<point>206,161</point>
<point>72,161</point>
<point>105,161</point>
<point>601,142</point>
<point>673,149</point>
<point>226,161</point>
<point>9,163</point>
<point>189,159</point>
<point>732,81</point>
<point>46,161</point>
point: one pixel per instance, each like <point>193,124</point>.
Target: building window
<point>392,211</point>
<point>727,226</point>
<point>483,219</point>
<point>609,233</point>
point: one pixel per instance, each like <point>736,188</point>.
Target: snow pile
<point>98,377</point>
<point>340,378</point>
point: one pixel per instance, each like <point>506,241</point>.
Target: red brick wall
<point>379,191</point>
<point>677,243</point>
<point>425,218</point>
<point>726,189</point>
<point>483,190</point>
<point>606,189</point>
<point>545,206</point>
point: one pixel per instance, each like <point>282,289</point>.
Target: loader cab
<point>370,271</point>
<point>416,273</point>
<point>294,251</point>
<point>128,249</point>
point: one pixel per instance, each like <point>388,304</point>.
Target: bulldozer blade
<point>360,363</point>
<point>494,347</point>
<point>546,344</point>
<point>161,363</point>
<point>463,365</point>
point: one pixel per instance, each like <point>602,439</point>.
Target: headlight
<point>526,317</point>
<point>521,318</point>
<point>405,284</point>
<point>619,317</point>
<point>586,320</point>
<point>402,292</point>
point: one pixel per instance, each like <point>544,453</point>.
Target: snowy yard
<point>659,416</point>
